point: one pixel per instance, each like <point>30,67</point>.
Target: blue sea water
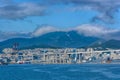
<point>61,72</point>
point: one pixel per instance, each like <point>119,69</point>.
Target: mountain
<point>57,39</point>
<point>114,44</point>
<point>60,39</point>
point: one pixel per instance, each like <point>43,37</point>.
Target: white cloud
<point>98,31</point>
<point>106,8</point>
<point>43,30</point>
<point>86,29</point>
<point>22,10</point>
<point>8,35</point>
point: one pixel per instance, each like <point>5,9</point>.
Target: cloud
<point>12,10</point>
<point>92,30</point>
<point>21,10</point>
<point>43,30</point>
<point>5,1</point>
<point>106,8</point>
<point>8,35</point>
<point>98,31</point>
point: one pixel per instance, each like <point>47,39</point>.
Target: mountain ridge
<point>60,39</point>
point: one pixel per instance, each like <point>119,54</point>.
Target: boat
<point>20,62</point>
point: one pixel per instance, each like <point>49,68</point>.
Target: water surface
<point>61,72</point>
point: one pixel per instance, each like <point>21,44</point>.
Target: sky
<point>22,18</point>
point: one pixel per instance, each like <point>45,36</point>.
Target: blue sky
<point>27,15</point>
<point>63,19</point>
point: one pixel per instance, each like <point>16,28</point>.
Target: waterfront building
<point>60,56</point>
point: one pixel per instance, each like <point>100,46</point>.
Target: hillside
<point>60,39</point>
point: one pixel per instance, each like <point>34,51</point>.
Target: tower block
<point>15,48</point>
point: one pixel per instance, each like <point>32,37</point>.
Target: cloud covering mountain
<point>13,10</point>
<point>43,30</point>
<point>86,29</point>
<point>99,31</point>
<point>8,35</point>
<point>75,21</point>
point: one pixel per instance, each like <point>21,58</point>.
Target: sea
<point>60,72</point>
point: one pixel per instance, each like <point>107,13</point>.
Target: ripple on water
<point>60,72</point>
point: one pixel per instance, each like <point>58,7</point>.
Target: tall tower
<point>15,47</point>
